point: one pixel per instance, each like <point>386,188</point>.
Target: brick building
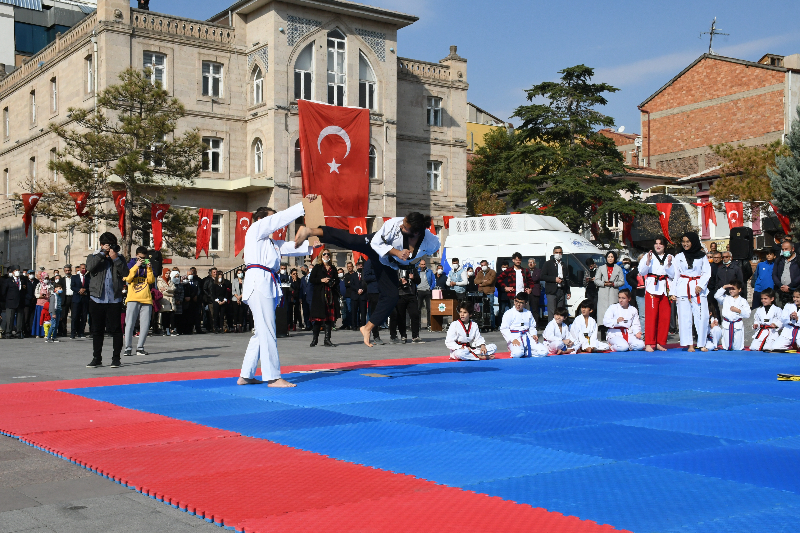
<point>239,75</point>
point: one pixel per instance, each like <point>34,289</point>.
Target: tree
<point>130,139</point>
<point>743,175</point>
<point>491,171</point>
<point>785,179</point>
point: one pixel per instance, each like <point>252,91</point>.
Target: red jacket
<point>508,278</point>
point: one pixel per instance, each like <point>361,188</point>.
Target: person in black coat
<point>80,301</point>
<point>220,302</point>
<point>30,301</point>
<point>779,277</point>
<point>369,284</point>
<point>358,297</point>
<point>556,282</point>
<point>12,295</point>
<point>325,280</point>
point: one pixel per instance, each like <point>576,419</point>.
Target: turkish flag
<point>29,202</point>
<point>709,215</point>
<point>243,221</point>
<point>627,228</point>
<point>387,219</point>
<point>316,251</point>
<point>119,203</point>
<point>280,235</point>
<point>80,202</point>
<point>786,224</point>
<point>157,212</point>
<point>446,220</point>
<point>334,149</point>
<point>432,229</point>
<point>664,211</point>
<point>203,231</point>
<point>357,226</point>
<point>735,214</point>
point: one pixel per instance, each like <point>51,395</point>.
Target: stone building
<point>240,74</point>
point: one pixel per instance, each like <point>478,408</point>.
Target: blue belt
<point>731,331</point>
<point>526,342</point>
<point>274,280</point>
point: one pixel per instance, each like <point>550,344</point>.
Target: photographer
<point>106,269</point>
<point>140,300</point>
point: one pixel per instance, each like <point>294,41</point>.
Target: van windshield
<point>578,268</point>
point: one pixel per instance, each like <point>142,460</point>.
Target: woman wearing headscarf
<point>325,282</point>
<point>656,268</point>
<point>42,293</point>
<point>692,273</point>
<point>608,279</point>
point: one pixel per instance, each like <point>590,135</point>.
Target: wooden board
<point>315,216</point>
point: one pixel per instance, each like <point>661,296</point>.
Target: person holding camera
<point>107,270</point>
<point>140,301</point>
<point>325,281</point>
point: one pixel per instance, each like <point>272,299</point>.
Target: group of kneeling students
<point>775,329</point>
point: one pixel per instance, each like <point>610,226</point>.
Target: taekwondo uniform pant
<point>526,348</point>
<point>732,338</point>
<point>656,319</point>
<point>263,344</point>
<point>789,339</point>
<point>714,336</point>
<point>466,354</point>
<point>764,339</point>
<point>586,346</point>
<point>553,347</point>
<point>690,311</point>
<point>616,339</point>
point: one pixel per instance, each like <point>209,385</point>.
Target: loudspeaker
<point>742,243</point>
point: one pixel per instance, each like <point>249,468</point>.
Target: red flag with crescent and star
<point>709,215</point>
<point>29,202</point>
<point>786,224</point>
<point>357,226</point>
<point>157,212</point>
<point>735,212</point>
<point>119,203</point>
<point>205,217</point>
<point>664,212</point>
<point>280,235</point>
<point>334,149</point>
<point>243,221</point>
<point>81,198</point>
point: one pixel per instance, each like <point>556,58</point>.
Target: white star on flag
<point>334,166</point>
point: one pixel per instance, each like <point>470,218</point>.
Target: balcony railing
<point>423,69</point>
<point>180,26</point>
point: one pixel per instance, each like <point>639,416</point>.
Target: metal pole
<point>33,242</point>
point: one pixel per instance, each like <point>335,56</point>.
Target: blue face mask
<point>786,253</point>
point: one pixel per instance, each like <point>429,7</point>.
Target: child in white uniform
<point>790,335</point>
<point>714,333</point>
<point>519,330</point>
<point>767,321</point>
<point>556,335</point>
<point>622,321</point>
<point>733,309</point>
<point>584,331</point>
<point>464,338</point>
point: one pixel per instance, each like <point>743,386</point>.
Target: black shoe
<point>128,352</point>
<point>328,342</point>
<point>96,363</point>
<point>140,351</point>
<point>417,340</point>
<point>377,340</point>
<point>72,337</point>
<point>116,363</point>
<point>315,332</point>
<point>394,340</point>
<point>403,340</point>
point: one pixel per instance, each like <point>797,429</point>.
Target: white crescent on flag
<point>358,230</point>
<point>122,201</point>
<point>245,222</point>
<point>204,221</point>
<point>334,130</point>
<point>158,215</point>
<point>733,217</point>
<point>663,214</point>
<point>34,197</point>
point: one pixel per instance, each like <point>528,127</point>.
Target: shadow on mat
<point>393,374</point>
<point>169,359</point>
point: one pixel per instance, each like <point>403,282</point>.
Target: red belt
<point>659,279</point>
<point>689,294</point>
<point>761,329</point>
<point>622,330</point>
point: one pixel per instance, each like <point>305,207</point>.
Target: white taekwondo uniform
<point>790,335</point>
<point>622,335</point>
<point>691,307</point>
<point>585,335</point>
<point>390,236</point>
<point>554,337</point>
<point>714,334</point>
<point>732,325</point>
<point>262,291</point>
<point>767,325</point>
<point>465,341</point>
<point>521,326</point>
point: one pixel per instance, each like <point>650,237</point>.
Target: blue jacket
<point>306,289</point>
<point>369,278</point>
<point>342,287</point>
<point>764,276</point>
<point>430,276</point>
<point>625,285</point>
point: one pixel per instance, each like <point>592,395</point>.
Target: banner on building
<point>29,202</point>
<point>206,216</point>
<point>243,221</point>
<point>735,211</point>
<point>157,212</point>
<point>81,200</point>
<point>357,226</point>
<point>664,212</point>
<point>119,203</point>
<point>708,213</point>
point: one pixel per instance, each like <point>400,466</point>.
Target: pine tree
<point>785,179</point>
<point>130,143</point>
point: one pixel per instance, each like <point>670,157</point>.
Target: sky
<point>511,45</point>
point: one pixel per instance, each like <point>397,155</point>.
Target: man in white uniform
<point>624,328</point>
<point>519,330</point>
<point>262,290</point>
<point>400,241</point>
<point>464,339</point>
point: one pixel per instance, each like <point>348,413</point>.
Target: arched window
<point>336,67</point>
<point>373,162</point>
<point>303,69</point>
<point>298,161</point>
<point>258,86</point>
<point>258,156</point>
<point>366,83</point>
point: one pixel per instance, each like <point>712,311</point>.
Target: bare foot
<point>660,348</point>
<point>648,348</point>
<point>280,382</point>
<point>365,332</point>
<point>703,349</point>
<point>248,381</point>
<point>690,349</point>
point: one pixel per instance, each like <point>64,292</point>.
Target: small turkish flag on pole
<point>29,202</point>
<point>203,231</point>
<point>80,203</point>
<point>157,212</point>
<point>664,212</point>
<point>357,226</point>
<point>119,203</point>
<point>243,221</point>
<point>735,214</point>
<point>334,149</point>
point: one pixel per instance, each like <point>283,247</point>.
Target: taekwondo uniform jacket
<point>460,336</point>
<point>585,335</point>
<point>260,249</point>
<point>554,338</point>
<point>657,276</point>
<point>790,336</point>
<point>683,281</point>
<point>390,236</point>
<point>768,325</point>
<point>729,317</point>
<point>630,324</point>
<point>521,322</point>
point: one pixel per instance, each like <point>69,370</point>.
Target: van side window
<point>577,271</point>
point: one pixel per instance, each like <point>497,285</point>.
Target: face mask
<point>16,273</point>
<point>470,274</point>
<point>455,266</point>
<point>341,274</point>
<point>124,291</point>
<point>786,253</point>
<point>484,268</point>
<point>175,279</point>
<point>626,266</point>
<point>219,280</point>
<point>326,259</point>
<point>58,279</point>
<point>726,263</point>
<point>283,271</point>
<point>439,271</point>
<point>240,275</point>
<point>557,257</point>
<point>190,277</point>
<point>31,276</point>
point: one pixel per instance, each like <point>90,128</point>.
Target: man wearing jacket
<point>556,284</point>
<point>427,282</point>
<point>358,303</point>
<point>369,284</point>
<point>485,279</point>
<point>516,279</point>
<point>12,296</point>
<point>786,274</point>
<point>80,301</point>
<point>107,269</point>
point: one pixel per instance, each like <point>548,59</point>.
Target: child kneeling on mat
<point>790,336</point>
<point>519,330</point>
<point>584,331</point>
<point>767,321</point>
<point>714,333</point>
<point>464,338</point>
<point>556,335</point>
<point>624,328</point>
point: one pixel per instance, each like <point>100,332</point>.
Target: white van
<point>496,238</point>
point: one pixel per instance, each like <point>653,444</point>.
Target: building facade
<point>239,75</point>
